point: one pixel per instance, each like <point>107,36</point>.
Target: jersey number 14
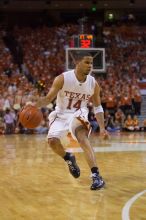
<point>76,105</point>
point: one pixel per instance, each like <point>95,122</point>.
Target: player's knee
<point>53,142</point>
<point>82,140</point>
<point>81,134</point>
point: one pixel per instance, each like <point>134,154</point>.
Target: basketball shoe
<point>98,182</point>
<point>73,167</point>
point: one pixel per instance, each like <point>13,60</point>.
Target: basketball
<point>30,117</point>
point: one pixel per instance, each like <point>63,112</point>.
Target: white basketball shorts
<point>61,124</point>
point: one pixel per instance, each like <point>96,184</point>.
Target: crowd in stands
<point>44,58</point>
<point>117,122</point>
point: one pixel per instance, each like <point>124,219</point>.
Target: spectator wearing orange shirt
<point>128,125</point>
<point>136,123</point>
<point>126,103</point>
<point>144,125</point>
<point>111,103</point>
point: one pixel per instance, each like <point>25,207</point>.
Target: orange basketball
<point>30,116</point>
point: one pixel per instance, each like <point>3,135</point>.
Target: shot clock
<point>82,41</point>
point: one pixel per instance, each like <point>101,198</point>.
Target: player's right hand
<point>104,134</point>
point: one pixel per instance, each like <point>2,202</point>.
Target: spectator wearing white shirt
<point>9,121</point>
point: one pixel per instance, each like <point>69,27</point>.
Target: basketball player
<point>73,90</point>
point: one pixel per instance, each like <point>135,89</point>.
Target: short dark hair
<point>81,54</point>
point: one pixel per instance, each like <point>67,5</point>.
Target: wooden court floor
<point>35,183</point>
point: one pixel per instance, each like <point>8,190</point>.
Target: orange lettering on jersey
<point>83,97</point>
<point>66,93</point>
<point>76,105</point>
<point>72,95</point>
<point>75,95</point>
<point>69,104</point>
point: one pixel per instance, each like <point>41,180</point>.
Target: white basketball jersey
<point>74,94</point>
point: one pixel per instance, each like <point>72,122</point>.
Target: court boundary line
<point>113,148</point>
<point>129,203</point>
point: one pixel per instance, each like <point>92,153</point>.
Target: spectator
<point>91,118</point>
<point>137,99</point>
<point>119,118</point>
<point>42,128</point>
<point>2,127</point>
<point>110,124</point>
<point>136,123</point>
<point>93,122</point>
<point>128,125</point>
<point>111,103</point>
<point>126,103</point>
<point>9,121</point>
<point>144,125</point>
